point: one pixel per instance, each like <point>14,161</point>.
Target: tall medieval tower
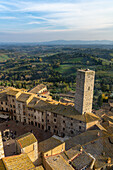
<point>84,91</point>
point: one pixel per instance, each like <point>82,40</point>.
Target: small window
<point>35,117</point>
<point>63,121</point>
<point>55,126</point>
<point>49,127</point>
<point>47,120</point>
<point>12,100</point>
<point>13,106</point>
<point>42,120</point>
<point>79,127</point>
<point>54,120</point>
<point>32,123</point>
<point>39,125</point>
<point>42,113</point>
<point>42,126</point>
<point>71,124</point>
<point>80,122</point>
<point>63,128</point>
<point>71,132</point>
<point>88,88</point>
<point>71,118</point>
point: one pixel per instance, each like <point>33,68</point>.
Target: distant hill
<point>77,42</point>
<point>58,42</point>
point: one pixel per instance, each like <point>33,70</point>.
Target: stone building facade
<point>58,118</point>
<point>55,123</point>
<point>21,103</point>
<point>84,91</point>
<point>12,95</point>
<point>28,144</point>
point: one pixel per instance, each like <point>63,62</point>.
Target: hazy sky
<point>46,20</point>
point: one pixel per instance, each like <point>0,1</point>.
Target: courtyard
<point>19,129</point>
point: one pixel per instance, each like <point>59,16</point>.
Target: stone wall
<point>1,147</point>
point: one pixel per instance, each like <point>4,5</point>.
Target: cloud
<point>33,22</point>
<point>83,15</point>
<point>3,8</point>
<point>46,15</point>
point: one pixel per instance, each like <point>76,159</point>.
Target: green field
<point>105,73</point>
<point>3,57</point>
<point>55,65</point>
<point>111,54</point>
<point>64,68</point>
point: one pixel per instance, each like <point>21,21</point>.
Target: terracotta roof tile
<point>18,162</point>
<point>26,139</point>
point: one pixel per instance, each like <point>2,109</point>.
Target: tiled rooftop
<point>26,139</point>
<point>108,118</point>
<point>101,149</point>
<point>18,162</point>
<point>73,152</point>
<point>49,144</point>
<point>84,138</point>
<point>24,97</point>
<point>82,160</point>
<point>33,102</point>
<point>78,158</point>
<point>58,163</point>
<point>13,92</point>
<point>37,88</point>
<point>68,111</point>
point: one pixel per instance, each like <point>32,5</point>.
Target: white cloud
<point>33,22</point>
<point>3,8</point>
<point>83,15</point>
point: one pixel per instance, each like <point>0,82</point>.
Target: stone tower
<point>84,91</point>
